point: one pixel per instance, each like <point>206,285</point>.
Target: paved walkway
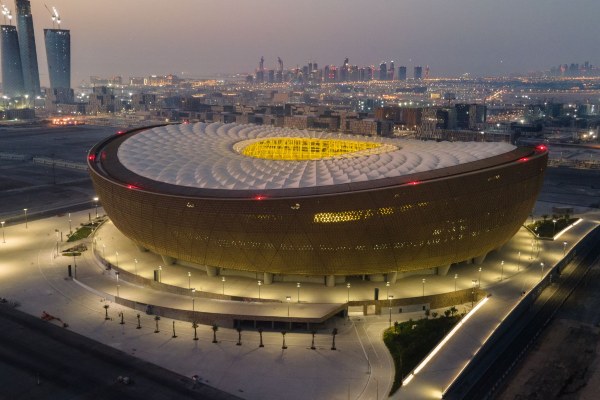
<point>360,368</point>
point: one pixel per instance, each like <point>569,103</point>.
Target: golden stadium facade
<point>293,202</point>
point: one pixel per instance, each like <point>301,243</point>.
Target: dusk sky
<point>201,37</point>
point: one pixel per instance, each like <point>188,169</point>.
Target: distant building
<point>31,75</point>
<point>383,71</point>
<point>470,116</point>
<point>402,73</point>
<point>58,52</point>
<point>418,73</point>
<point>12,70</point>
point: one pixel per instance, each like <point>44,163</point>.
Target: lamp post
<point>70,228</point>
<point>423,287</point>
<point>193,300</point>
<point>479,278</point>
<point>96,205</point>
<point>160,273</point>
<point>259,285</point>
<point>298,286</point>
<point>117,273</point>
<point>223,280</point>
<point>542,265</point>
<point>390,297</point>
<point>501,271</point>
<point>288,299</point>
<point>189,274</point>
<point>473,282</point>
<point>554,229</point>
<point>117,258</point>
<point>4,237</point>
<point>25,211</point>
<point>348,286</point>
<point>135,261</point>
<point>564,245</point>
<point>455,278</point>
<point>387,288</point>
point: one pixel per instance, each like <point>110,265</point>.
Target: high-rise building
<point>391,71</point>
<point>402,73</point>
<point>31,75</point>
<point>58,52</point>
<point>12,70</point>
<point>383,71</point>
<point>418,75</point>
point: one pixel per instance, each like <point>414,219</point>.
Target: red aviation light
<point>92,157</point>
<point>413,183</point>
<point>523,159</point>
<point>541,147</point>
<point>132,187</point>
<point>120,132</point>
<point>259,197</point>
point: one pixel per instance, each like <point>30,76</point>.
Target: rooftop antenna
<point>55,16</point>
<point>6,13</point>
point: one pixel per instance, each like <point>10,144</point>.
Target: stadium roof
<point>256,157</point>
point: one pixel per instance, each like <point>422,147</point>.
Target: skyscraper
<point>402,73</point>
<point>12,70</point>
<point>418,75</point>
<point>58,52</point>
<point>31,75</point>
<point>383,71</point>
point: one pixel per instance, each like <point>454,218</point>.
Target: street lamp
<point>25,211</point>
<point>117,258</point>
<point>70,230</point>
<point>288,299</point>
<point>298,286</point>
<point>223,280</point>
<point>501,271</point>
<point>348,286</point>
<point>390,297</point>
<point>193,300</point>
<point>542,265</point>
<point>259,285</point>
<point>160,273</point>
<point>423,287</point>
<point>117,273</point>
<point>564,245</point>
<point>96,204</point>
<point>479,279</point>
<point>3,237</point>
<point>387,288</point>
<point>455,278</point>
<point>473,282</point>
<point>189,280</point>
<point>554,229</point>
<point>135,261</point>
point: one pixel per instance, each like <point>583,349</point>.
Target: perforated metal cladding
<point>399,228</point>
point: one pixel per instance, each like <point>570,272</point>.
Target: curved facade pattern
<point>450,211</point>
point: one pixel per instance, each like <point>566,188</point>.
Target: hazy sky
<point>196,37</point>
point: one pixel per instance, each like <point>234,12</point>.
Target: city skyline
<point>196,39</point>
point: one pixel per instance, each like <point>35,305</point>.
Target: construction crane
<point>6,13</point>
<point>55,16</point>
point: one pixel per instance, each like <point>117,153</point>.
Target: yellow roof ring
<point>301,148</point>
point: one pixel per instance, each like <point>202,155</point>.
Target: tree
<point>333,333</point>
<point>544,217</point>
<point>434,314</point>
<point>447,313</point>
<point>195,326</point>
<point>453,310</point>
<point>283,346</point>
<point>106,317</point>
<point>312,346</point>
<point>260,331</point>
<point>156,318</point>
<point>215,328</point>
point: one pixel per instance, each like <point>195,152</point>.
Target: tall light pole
<point>117,258</point>
<point>501,271</point>
<point>390,297</point>
<point>4,237</point>
<point>117,273</point>
<point>455,278</point>
<point>25,211</point>
<point>542,265</point>
<point>193,300</point>
<point>348,286</point>
<point>70,229</point>
<point>479,279</point>
<point>387,288</point>
<point>135,261</point>
<point>554,229</point>
<point>259,285</point>
<point>96,205</point>
<point>189,274</point>
<point>223,280</point>
<point>298,286</point>
<point>288,299</point>
<point>423,287</point>
<point>564,245</point>
<point>160,273</point>
<point>473,282</point>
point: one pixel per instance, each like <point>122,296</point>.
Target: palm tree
<point>195,326</point>
<point>333,333</point>
<point>215,328</point>
<point>156,318</point>
<point>106,317</point>
<point>260,331</point>
<point>239,331</point>
<point>312,346</point>
<point>283,334</point>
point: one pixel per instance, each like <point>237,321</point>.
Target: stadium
<point>287,203</point>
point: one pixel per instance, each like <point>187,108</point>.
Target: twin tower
<point>20,74</point>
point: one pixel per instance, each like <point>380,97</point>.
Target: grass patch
<point>409,342</point>
<point>81,233</point>
<point>546,228</point>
